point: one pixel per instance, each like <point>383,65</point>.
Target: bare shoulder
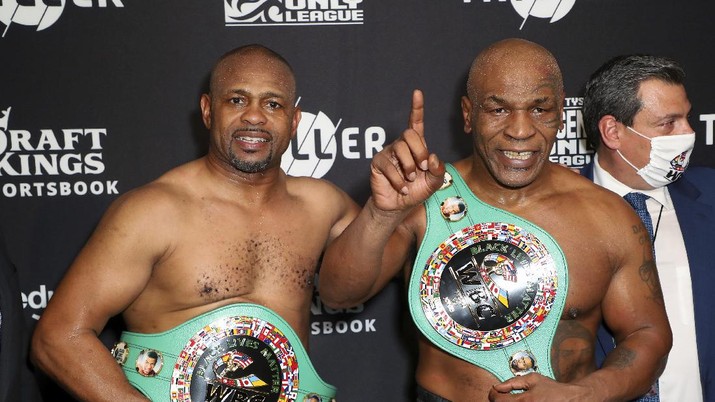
<point>309,185</point>
<point>599,211</point>
<point>319,192</point>
<point>596,229</point>
<point>584,193</point>
<point>324,200</point>
<point>154,206</point>
<point>152,197</point>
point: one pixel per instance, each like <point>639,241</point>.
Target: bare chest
<point>256,259</point>
<point>265,263</point>
<point>589,269</point>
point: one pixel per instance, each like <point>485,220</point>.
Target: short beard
<point>251,167</point>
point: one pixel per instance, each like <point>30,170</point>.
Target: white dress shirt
<point>681,379</point>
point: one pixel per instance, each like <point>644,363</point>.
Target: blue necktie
<point>637,201</point>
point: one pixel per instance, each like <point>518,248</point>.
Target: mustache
<point>251,130</point>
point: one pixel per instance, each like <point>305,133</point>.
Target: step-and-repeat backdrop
<point>100,96</point>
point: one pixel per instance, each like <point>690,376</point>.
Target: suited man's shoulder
<point>701,177</point>
<point>698,174</point>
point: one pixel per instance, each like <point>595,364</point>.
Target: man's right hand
<point>404,174</point>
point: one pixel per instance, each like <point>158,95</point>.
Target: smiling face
<point>250,111</point>
<point>514,110</point>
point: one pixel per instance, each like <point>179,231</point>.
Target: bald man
<point>508,298</point>
<point>211,265</point>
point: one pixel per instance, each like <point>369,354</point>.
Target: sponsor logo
<point>42,13</point>
<point>292,12</point>
<point>338,321</point>
<point>553,10</point>
<point>571,147</point>
<point>36,300</point>
<point>319,141</point>
<point>67,156</point>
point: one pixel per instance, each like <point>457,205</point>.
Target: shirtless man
<point>227,229</point>
<point>513,112</point>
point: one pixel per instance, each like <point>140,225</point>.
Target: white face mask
<point>669,157</point>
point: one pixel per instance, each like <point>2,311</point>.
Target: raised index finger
<point>417,114</point>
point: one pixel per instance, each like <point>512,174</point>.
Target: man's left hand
<point>536,387</point>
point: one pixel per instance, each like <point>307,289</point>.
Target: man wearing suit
<point>16,381</point>
<point>636,117</point>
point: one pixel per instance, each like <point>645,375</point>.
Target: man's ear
<point>610,131</point>
<point>205,104</point>
<point>467,114</point>
<point>296,120</point>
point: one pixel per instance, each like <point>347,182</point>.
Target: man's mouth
<point>252,140</point>
<point>521,155</point>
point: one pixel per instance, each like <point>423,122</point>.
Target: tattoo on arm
<point>572,351</point>
<point>649,275</point>
<point>621,357</point>
<point>648,270</point>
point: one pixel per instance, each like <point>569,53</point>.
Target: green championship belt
<point>487,286</point>
<point>239,352</point>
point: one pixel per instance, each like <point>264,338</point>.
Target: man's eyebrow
<point>501,101</point>
<point>267,94</point>
<point>673,115</point>
<point>543,99</point>
<point>493,99</point>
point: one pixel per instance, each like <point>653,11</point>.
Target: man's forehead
<point>521,79</point>
<point>661,98</point>
<point>253,65</point>
<point>257,88</point>
<point>655,88</point>
<point>254,58</point>
<point>242,73</point>
<point>518,92</point>
<point>517,68</point>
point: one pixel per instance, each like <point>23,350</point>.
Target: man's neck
<point>612,163</point>
<point>258,187</point>
<point>482,183</point>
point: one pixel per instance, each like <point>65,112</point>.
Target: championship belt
<point>487,286</point>
<point>239,352</point>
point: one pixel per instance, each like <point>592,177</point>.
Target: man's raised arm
<point>374,246</point>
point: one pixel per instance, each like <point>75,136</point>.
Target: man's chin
<point>515,179</point>
<point>251,167</point>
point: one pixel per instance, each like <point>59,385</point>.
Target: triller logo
<point>41,13</point>
<point>554,10</point>
<point>292,12</point>
<point>312,151</point>
<point>318,142</point>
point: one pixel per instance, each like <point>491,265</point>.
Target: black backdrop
<point>100,96</point>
